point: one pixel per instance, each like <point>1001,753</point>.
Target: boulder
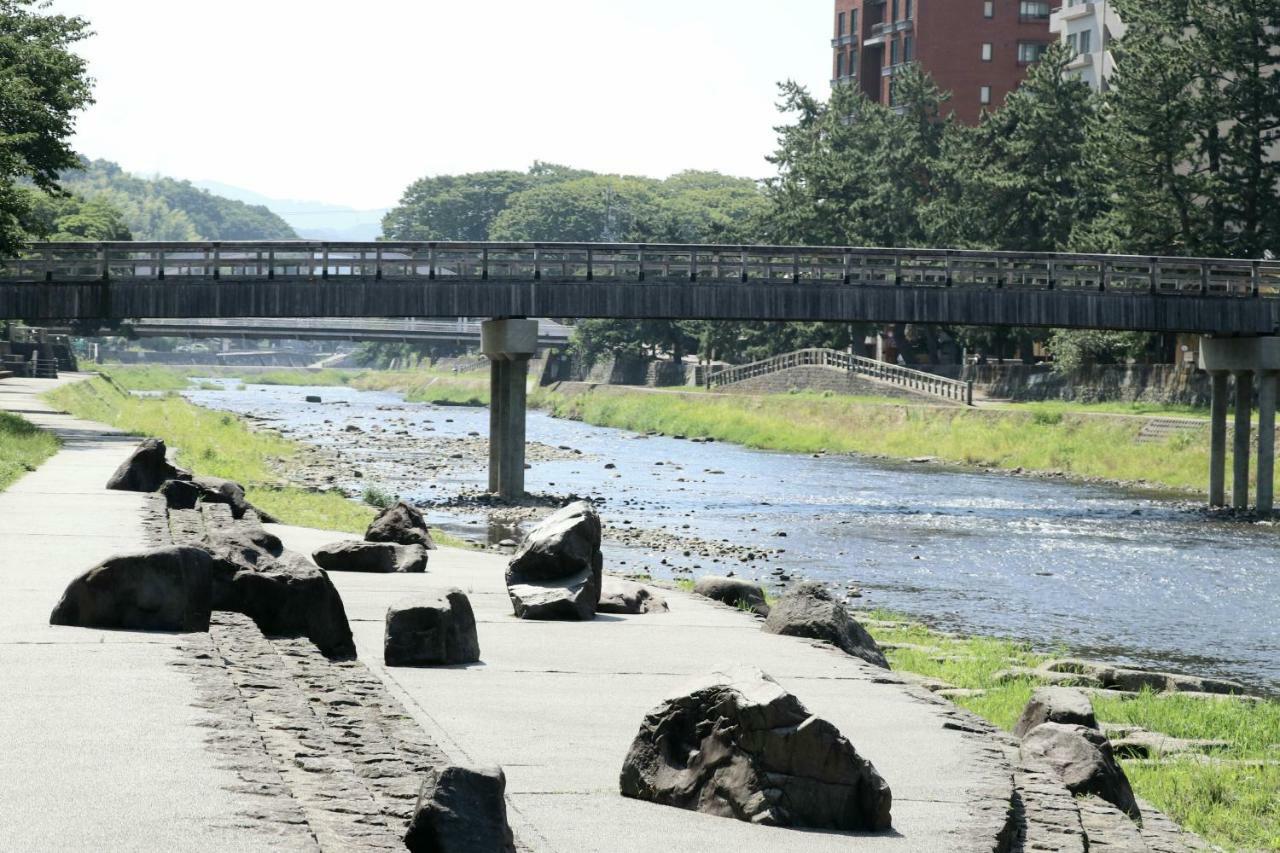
<point>555,573</point>
<point>733,592</point>
<point>163,589</point>
<point>1135,680</point>
<point>180,494</point>
<point>809,610</point>
<point>379,557</point>
<point>244,544</point>
<point>735,744</point>
<point>623,596</point>
<point>146,469</point>
<point>1056,705</point>
<point>400,524</point>
<point>215,490</point>
<point>437,630</point>
<point>1082,758</point>
<point>461,810</point>
<point>289,597</point>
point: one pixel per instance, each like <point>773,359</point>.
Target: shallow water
<point>1091,568</point>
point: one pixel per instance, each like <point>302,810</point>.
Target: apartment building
<point>1089,27</point>
<point>978,50</point>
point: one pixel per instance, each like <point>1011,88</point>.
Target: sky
<point>348,103</point>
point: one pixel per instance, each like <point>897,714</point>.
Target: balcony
<point>846,80</point>
<point>843,41</point>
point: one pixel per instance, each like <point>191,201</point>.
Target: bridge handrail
<point>904,377</point>
<point>637,263</point>
<point>546,329</point>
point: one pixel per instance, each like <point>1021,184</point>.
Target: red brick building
<point>978,50</point>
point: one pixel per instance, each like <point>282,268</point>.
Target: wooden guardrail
<point>903,377</point>
<point>547,329</point>
<point>629,262</point>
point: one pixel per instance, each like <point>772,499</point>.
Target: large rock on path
<point>736,744</point>
<point>146,469</point>
<point>733,592</point>
<point>400,524</point>
<point>628,597</point>
<point>1056,705</point>
<point>556,571</point>
<point>1082,758</point>
<point>164,589</point>
<point>809,610</point>
<point>289,597</point>
<point>378,557</point>
<point>461,810</point>
<point>431,631</point>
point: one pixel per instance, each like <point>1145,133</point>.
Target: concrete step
<point>1158,430</point>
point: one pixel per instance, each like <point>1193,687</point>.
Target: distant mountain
<point>165,209</point>
<point>313,220</point>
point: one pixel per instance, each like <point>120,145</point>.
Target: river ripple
<point>1094,569</point>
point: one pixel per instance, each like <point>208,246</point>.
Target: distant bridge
<point>550,333</point>
<point>52,281</point>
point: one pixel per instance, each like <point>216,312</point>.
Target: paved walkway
<point>557,705</point>
<point>100,747</point>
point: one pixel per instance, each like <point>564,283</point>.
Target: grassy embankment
<point>215,444</point>
<point>23,446</point>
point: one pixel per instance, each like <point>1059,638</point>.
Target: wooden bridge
<point>550,333</point>
<point>63,281</point>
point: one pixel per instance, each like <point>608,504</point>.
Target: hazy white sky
<point>348,102</point>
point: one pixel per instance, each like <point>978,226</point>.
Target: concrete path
<point>557,705</point>
<point>100,747</point>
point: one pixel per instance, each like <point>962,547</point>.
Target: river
<point>1092,569</point>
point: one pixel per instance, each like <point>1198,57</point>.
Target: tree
<point>452,207</point>
<point>71,218</point>
<point>43,84</point>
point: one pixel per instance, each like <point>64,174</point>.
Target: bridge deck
<point>845,284</point>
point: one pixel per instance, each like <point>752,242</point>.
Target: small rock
<point>461,810</point>
<point>438,630</point>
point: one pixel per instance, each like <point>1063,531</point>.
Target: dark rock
<point>738,745</point>
<point>401,524</point>
<point>180,494</point>
<point>379,557</point>
<point>164,589</point>
<point>1056,705</point>
<point>461,810</point>
<point>215,490</point>
<point>809,610</point>
<point>289,597</point>
<point>1082,758</point>
<point>1136,680</point>
<point>431,631</point>
<point>312,398</point>
<point>555,573</point>
<point>733,592</point>
<point>623,596</point>
<point>146,469</point>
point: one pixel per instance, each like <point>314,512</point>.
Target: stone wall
<point>1147,383</point>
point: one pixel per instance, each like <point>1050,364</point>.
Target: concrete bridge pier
<point>1251,361</point>
<point>508,344</point>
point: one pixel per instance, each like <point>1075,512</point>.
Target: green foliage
<point>378,497</point>
<point>171,210</point>
<point>1073,349</point>
<point>43,84</point>
<point>23,446</point>
<point>70,218</point>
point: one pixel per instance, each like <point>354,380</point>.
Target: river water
<point>1093,569</point>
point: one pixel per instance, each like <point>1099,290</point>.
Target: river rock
<point>146,469</point>
<point>163,589</point>
<point>1082,758</point>
<point>809,610</point>
<point>215,490</point>
<point>351,555</point>
<point>1135,680</point>
<point>400,524</point>
<point>244,544</point>
<point>437,630</point>
<point>735,744</point>
<point>627,597</point>
<point>289,597</point>
<point>461,810</point>
<point>180,494</point>
<point>556,571</point>
<point>733,592</point>
<point>1056,705</point>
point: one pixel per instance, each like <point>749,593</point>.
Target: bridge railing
<point>903,377</point>
<point>635,263</point>
<point>546,328</point>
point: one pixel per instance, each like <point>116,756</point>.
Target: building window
<point>989,9</point>
<point>1033,10</point>
<point>895,11</point>
<point>853,22</point>
<point>1029,51</point>
<point>853,62</point>
<point>839,65</point>
<point>984,95</point>
<point>893,52</point>
<point>907,48</point>
<point>910,9</point>
<point>1086,41</point>
<point>986,52</point>
<point>839,24</point>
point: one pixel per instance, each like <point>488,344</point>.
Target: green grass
<point>427,385</point>
<point>152,378</point>
<point>1237,807</point>
<point>23,446</point>
<point>1038,439</point>
<point>1113,408</point>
